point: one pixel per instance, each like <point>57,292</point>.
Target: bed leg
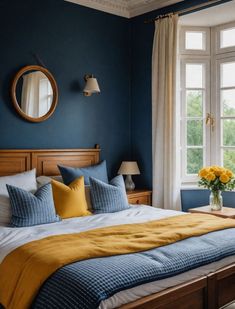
<point>212,292</point>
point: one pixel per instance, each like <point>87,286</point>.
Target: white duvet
<point>11,238</point>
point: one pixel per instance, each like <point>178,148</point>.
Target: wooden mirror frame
<point>54,89</point>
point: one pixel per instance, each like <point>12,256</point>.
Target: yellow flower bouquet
<point>216,179</point>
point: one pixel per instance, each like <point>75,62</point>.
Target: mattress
<point>11,238</point>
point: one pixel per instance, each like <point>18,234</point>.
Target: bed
<point>209,286</point>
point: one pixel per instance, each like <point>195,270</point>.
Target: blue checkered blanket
<point>83,285</point>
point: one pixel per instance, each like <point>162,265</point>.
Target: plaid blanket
<point>83,285</point>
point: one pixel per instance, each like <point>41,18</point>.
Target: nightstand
<point>226,212</point>
<point>140,197</point>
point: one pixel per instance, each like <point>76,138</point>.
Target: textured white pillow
<point>43,180</point>
<point>26,181</point>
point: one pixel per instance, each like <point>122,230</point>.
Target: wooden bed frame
<point>45,160</point>
<point>212,291</point>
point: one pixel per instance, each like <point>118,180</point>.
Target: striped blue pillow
<point>108,198</point>
<point>32,209</point>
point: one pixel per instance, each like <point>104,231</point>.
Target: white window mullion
<point>207,105</point>
<point>183,122</point>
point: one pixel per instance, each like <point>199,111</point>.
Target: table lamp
<point>129,168</point>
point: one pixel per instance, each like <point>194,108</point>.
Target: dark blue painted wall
<point>191,198</point>
<point>71,40</point>
<point>141,54</point>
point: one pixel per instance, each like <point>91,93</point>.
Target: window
<point>227,38</point>
<point>194,97</point>
<point>45,96</point>
<point>226,96</point>
<point>207,99</point>
<point>195,40</point>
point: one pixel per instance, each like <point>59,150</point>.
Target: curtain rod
<point>184,11</point>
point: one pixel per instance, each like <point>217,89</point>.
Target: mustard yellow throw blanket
<point>25,269</point>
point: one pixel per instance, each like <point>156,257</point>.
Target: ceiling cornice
<point>107,6</point>
<point>149,6</point>
<point>125,8</point>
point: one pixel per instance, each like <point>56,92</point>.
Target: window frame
<point>185,178</point>
<point>216,37</point>
<point>229,57</point>
<point>182,48</point>
<point>212,57</point>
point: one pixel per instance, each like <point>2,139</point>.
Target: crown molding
<point>125,8</point>
<point>108,6</point>
<point>149,6</point>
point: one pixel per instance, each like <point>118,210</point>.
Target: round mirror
<point>34,93</point>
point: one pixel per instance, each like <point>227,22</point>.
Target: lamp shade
<point>129,168</point>
<point>91,86</point>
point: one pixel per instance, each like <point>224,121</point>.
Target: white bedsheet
<point>11,238</point>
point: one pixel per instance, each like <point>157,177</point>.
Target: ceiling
<point>125,8</point>
<point>216,15</point>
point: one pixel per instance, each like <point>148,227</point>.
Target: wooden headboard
<point>45,160</point>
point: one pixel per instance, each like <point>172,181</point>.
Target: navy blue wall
<point>71,40</point>
<point>141,124</point>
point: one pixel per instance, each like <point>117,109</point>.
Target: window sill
<point>191,186</point>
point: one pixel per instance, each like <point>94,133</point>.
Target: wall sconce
<point>91,86</point>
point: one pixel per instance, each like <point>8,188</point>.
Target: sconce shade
<point>91,86</point>
<point>129,168</point>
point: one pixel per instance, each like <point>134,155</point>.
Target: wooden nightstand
<point>140,197</point>
<point>226,212</point>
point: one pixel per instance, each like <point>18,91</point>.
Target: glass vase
<point>216,200</point>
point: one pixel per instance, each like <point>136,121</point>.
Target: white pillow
<point>43,180</point>
<point>26,181</point>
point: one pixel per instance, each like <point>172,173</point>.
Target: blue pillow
<point>107,198</point>
<point>32,209</point>
<point>69,174</point>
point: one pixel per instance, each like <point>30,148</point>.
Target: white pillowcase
<point>44,180</point>
<point>26,181</point>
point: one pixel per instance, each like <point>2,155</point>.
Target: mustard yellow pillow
<point>70,201</point>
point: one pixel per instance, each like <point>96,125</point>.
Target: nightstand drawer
<point>139,200</point>
<point>139,197</point>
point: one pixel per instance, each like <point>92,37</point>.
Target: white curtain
<point>165,115</point>
<point>36,94</point>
